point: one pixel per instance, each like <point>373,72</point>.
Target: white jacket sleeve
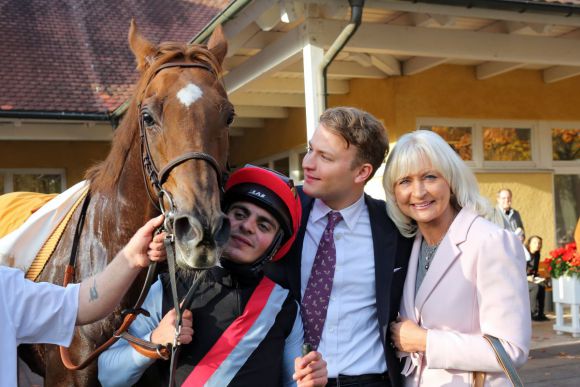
<point>121,365</point>
<point>503,306</point>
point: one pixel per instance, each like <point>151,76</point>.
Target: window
<point>565,144</point>
<point>289,163</point>
<point>300,171</point>
<point>507,144</point>
<point>32,180</point>
<point>459,137</point>
<point>282,165</point>
<point>491,144</point>
<point>567,200</point>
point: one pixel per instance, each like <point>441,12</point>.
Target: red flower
<point>564,261</point>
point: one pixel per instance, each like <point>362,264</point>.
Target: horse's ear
<point>143,49</point>
<point>217,44</point>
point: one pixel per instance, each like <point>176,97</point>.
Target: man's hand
<point>310,370</point>
<point>407,336</point>
<point>165,331</point>
<point>137,251</point>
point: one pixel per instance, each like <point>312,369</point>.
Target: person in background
<point>504,215</point>
<point>536,283</point>
<point>348,264</point>
<point>466,276</point>
<point>240,329</point>
<point>58,309</point>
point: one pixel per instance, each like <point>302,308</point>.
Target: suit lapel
<point>295,254</point>
<point>445,256</point>
<point>384,247</point>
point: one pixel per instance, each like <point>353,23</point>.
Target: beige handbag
<point>503,359</point>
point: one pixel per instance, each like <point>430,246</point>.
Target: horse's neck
<point>114,215</point>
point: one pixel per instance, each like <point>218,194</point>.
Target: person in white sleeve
<point>56,309</point>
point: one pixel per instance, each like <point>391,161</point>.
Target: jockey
<point>240,329</point>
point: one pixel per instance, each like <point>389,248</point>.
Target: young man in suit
<point>368,256</point>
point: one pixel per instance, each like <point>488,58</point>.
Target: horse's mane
<point>105,175</point>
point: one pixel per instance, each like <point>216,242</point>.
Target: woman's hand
<point>165,331</point>
<point>407,336</point>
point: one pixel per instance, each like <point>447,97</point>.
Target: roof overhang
<point>270,42</point>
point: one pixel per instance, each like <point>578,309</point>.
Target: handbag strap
<point>504,360</point>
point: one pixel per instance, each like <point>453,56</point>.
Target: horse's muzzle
<point>199,245</point>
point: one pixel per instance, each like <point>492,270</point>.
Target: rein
<point>152,177</point>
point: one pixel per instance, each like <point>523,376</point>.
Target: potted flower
<point>564,268</point>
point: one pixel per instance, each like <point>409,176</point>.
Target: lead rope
<point>179,309</point>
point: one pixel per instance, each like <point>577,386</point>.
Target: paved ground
<point>554,359</point>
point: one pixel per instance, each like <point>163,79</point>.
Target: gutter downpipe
<point>356,11</point>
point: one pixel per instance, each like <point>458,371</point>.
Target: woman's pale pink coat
<point>475,285</point>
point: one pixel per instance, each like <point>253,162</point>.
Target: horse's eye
<point>230,119</point>
<point>148,119</point>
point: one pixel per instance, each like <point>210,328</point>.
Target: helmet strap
<point>258,266</point>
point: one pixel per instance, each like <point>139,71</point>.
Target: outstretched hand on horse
<point>100,294</point>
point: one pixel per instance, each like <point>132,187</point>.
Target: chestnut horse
<point>179,115</point>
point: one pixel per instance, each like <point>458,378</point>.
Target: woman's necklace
<point>427,252</point>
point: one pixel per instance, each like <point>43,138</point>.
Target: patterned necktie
<point>317,293</point>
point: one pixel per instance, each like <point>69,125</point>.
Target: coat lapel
<point>295,255</point>
<point>408,305</point>
<point>446,254</point>
<point>385,248</point>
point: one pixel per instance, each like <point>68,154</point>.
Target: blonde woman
<point>466,276</point>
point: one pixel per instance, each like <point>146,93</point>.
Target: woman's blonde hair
<point>406,157</point>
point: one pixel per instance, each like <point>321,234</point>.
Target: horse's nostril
<point>223,231</point>
<point>185,228</point>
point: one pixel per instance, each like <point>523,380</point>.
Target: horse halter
<point>156,177</point>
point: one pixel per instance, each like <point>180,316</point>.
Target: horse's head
<point>184,118</point>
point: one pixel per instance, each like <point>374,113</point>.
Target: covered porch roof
<point>275,46</point>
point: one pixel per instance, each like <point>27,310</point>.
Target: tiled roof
<point>73,56</point>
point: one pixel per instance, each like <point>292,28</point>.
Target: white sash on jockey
<point>241,339</point>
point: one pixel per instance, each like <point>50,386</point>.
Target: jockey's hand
<point>137,250</point>
<point>165,331</point>
<point>310,370</point>
<point>156,250</point>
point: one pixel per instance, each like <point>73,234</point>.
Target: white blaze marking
<point>189,94</point>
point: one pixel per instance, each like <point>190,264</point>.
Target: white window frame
<point>567,167</point>
<point>293,158</point>
<point>540,138</point>
<point>8,174</point>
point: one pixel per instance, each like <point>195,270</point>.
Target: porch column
<point>312,55</point>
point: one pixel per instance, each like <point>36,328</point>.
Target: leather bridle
<point>155,178</point>
<point>158,177</point>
